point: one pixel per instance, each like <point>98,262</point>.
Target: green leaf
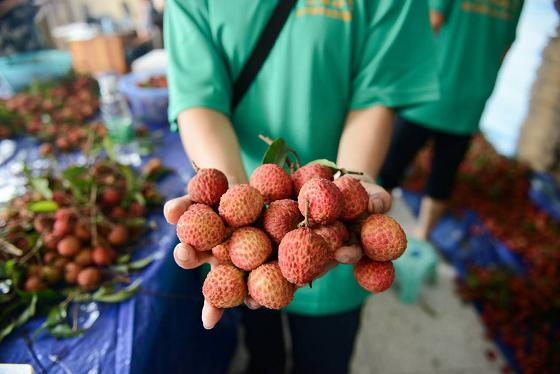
<point>41,185</point>
<point>277,153</point>
<point>118,296</point>
<point>324,162</point>
<point>136,222</point>
<point>23,317</point>
<point>109,148</point>
<point>141,264</point>
<point>73,172</point>
<point>123,259</point>
<point>43,206</point>
<point>56,316</point>
<point>140,198</point>
<point>129,177</point>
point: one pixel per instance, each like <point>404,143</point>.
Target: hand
<point>189,258</point>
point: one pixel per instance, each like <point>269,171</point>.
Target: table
<point>157,331</point>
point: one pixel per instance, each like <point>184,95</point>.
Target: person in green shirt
<point>473,37</point>
<point>329,87</point>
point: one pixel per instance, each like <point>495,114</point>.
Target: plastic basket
<point>18,70</point>
<point>148,105</point>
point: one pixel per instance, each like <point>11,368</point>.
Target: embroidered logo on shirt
<point>502,9</point>
<point>336,9</point>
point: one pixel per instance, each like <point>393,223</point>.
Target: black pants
<point>319,344</point>
<point>408,139</point>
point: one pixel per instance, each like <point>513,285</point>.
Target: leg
<point>449,151</point>
<point>407,140</point>
<point>264,340</point>
<point>323,344</point>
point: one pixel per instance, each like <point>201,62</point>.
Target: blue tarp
<point>157,331</point>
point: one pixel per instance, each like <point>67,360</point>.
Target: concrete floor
<point>439,335</point>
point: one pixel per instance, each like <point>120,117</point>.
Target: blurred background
<point>494,308</point>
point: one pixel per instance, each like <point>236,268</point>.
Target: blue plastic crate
<point>448,235</point>
<point>545,194</point>
<point>18,70</point>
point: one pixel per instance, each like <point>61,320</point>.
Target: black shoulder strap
<point>261,51</point>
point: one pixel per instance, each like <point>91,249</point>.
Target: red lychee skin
<point>201,228</point>
<point>241,205</point>
<point>355,198</point>
<point>118,235</point>
<point>82,230</point>
<point>308,172</point>
<point>272,182</point>
<point>325,201</point>
<point>303,255</point>
<point>34,284</point>
<point>69,246</point>
<point>221,253</point>
<point>84,258</point>
<point>111,196</point>
<point>249,248</point>
<point>334,234</point>
<point>118,212</point>
<point>207,186</point>
<point>269,288</point>
<point>71,271</point>
<point>281,217</point>
<point>374,276</point>
<point>102,256</point>
<point>383,239</point>
<point>50,241</point>
<point>224,287</point>
<point>89,278</point>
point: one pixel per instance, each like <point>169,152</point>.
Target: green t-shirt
<point>332,56</point>
<point>471,45</point>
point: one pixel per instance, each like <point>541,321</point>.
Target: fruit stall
<point>502,239</point>
<point>86,275</point>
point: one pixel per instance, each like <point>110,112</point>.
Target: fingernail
<point>377,205</point>
<point>344,258</point>
<point>182,255</point>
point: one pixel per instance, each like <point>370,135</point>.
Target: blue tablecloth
<point>157,331</point>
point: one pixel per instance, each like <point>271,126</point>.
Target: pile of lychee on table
<point>280,232</point>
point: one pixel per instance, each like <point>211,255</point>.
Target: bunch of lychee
<point>280,232</point>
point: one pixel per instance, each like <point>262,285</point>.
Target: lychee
<point>118,235</point>
<point>82,230</point>
<point>383,239</point>
<point>34,284</point>
<point>269,288</point>
<point>374,276</point>
<point>84,258</point>
<point>354,197</point>
<point>89,278</point>
<point>111,196</point>
<point>71,271</point>
<point>224,287</point>
<point>334,234</point>
<point>241,205</point>
<point>273,182</point>
<point>207,186</point>
<point>281,217</point>
<point>69,246</point>
<point>324,200</point>
<point>249,247</point>
<point>308,172</point>
<point>221,252</point>
<point>52,274</point>
<point>201,228</point>
<point>102,256</point>
<point>303,255</point>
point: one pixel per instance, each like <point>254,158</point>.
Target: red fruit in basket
<point>308,172</point>
<point>52,274</point>
<point>34,284</point>
<point>111,196</point>
<point>59,197</point>
<point>221,252</point>
<point>207,186</point>
<point>269,288</point>
<point>118,235</point>
<point>354,197</point>
<point>50,241</point>
<point>61,262</point>
<point>71,271</point>
<point>374,276</point>
<point>63,143</point>
<point>383,239</point>
<point>34,270</point>
<point>84,258</point>
<point>49,257</point>
<point>137,209</point>
<point>82,230</point>
<point>334,234</point>
<point>241,205</point>
<point>281,217</point>
<point>62,227</point>
<point>118,213</point>
<point>46,149</point>
<point>69,246</point>
<point>249,247</point>
<point>201,228</point>
<point>273,182</point>
<point>89,278</point>
<point>103,256</point>
<point>42,223</point>
<point>324,200</point>
<point>303,255</point>
<point>224,287</point>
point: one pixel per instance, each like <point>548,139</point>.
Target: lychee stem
<point>195,166</point>
<point>344,171</point>
<point>265,139</point>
